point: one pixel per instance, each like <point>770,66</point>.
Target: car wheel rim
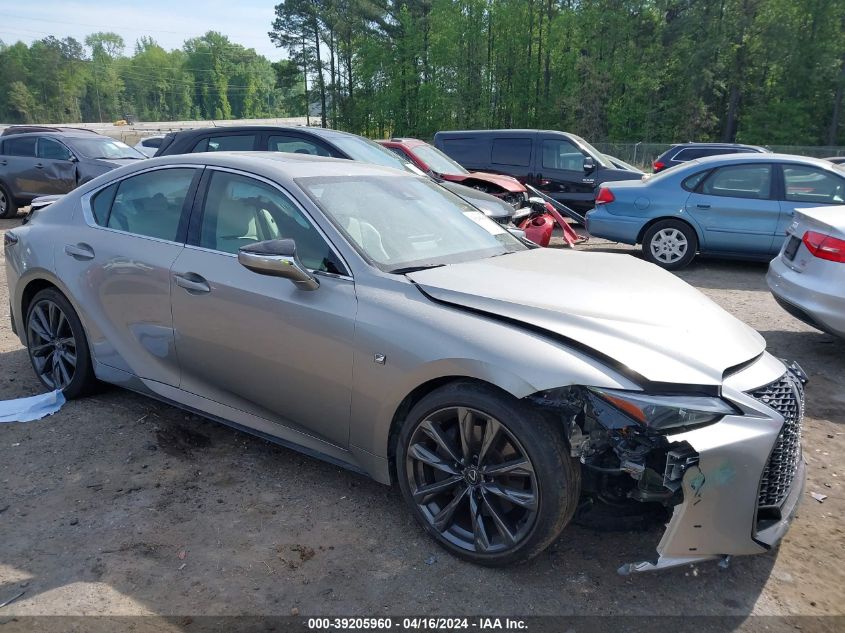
<point>669,245</point>
<point>472,480</point>
<point>52,345</point>
<point>3,202</point>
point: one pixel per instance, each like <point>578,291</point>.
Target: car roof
<point>317,131</point>
<point>719,145</point>
<point>763,158</point>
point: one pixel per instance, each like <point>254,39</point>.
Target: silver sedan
<point>807,278</point>
<point>374,319</point>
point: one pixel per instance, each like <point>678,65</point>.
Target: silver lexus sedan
<point>372,318</point>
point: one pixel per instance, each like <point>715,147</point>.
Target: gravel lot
<point>121,505</point>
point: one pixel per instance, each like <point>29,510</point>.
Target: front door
<point>736,210</point>
<point>57,167</point>
<point>258,343</point>
<point>118,263</point>
<point>560,173</point>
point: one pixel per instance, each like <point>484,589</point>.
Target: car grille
<point>786,396</point>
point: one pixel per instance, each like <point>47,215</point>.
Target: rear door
<point>118,259</point>
<point>805,186</point>
<point>18,166</point>
<point>560,172</point>
<point>511,155</point>
<point>737,210</point>
<point>57,165</point>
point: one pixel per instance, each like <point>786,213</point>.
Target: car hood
<point>508,183</point>
<point>618,306</point>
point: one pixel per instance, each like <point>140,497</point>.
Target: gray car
<point>807,278</point>
<point>372,318</point>
<point>37,161</point>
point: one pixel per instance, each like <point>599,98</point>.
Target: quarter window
<point>240,211</point>
<point>295,145</point>
<point>740,181</point>
<point>227,143</point>
<point>52,150</point>
<point>149,204</point>
<point>20,146</point>
<point>562,154</point>
<point>511,151</point>
<point>810,184</point>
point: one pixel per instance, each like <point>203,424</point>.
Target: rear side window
<point>228,143</point>
<point>810,184</point>
<point>295,145</point>
<point>740,181</point>
<point>24,146</point>
<point>52,150</point>
<point>149,204</point>
<point>511,151</point>
<point>467,150</point>
<point>152,142</point>
<point>693,181</point>
<point>691,153</point>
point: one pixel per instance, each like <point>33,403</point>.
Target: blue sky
<point>170,23</point>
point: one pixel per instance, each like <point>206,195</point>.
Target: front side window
<point>52,150</point>
<point>149,204</point>
<point>406,222</point>
<point>740,181</point>
<point>24,146</point>
<point>240,211</point>
<point>811,184</point>
<point>227,143</point>
<point>562,154</point>
<point>511,151</point>
<point>295,145</point>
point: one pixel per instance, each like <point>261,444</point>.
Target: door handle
<point>79,251</point>
<point>192,282</point>
<point>39,165</point>
<point>3,163</point>
<point>703,206</point>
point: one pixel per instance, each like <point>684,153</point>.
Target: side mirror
<point>589,164</point>
<point>278,259</point>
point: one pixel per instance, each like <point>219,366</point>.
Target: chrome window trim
<point>298,206</point>
<point>88,213</point>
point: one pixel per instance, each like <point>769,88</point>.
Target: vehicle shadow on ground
<point>164,512</point>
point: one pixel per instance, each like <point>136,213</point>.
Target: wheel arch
<point>34,284</point>
<point>662,218</point>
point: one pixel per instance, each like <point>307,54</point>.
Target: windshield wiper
<point>413,269</point>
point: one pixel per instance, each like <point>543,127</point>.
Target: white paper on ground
<point>32,408</point>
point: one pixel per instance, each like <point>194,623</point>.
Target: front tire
<point>8,208</point>
<point>485,474</point>
<point>57,345</point>
<point>671,244</point>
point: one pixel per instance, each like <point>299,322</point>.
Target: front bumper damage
<point>733,486</point>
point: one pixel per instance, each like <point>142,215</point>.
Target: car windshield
<point>600,158</point>
<point>406,223</point>
<point>367,151</point>
<point>105,148</point>
<point>437,161</point>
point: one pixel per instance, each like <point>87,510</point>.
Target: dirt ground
<point>118,504</point>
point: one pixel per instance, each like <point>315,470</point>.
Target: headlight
<point>660,413</point>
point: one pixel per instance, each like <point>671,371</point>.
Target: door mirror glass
<point>277,258</point>
<point>589,164</point>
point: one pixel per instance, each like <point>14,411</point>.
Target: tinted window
<point>20,146</point>
<point>52,150</point>
<point>294,145</point>
<point>691,153</point>
<point>740,181</point>
<point>467,151</point>
<point>511,151</point>
<point>562,154</point>
<point>152,142</point>
<point>240,211</point>
<point>810,184</point>
<point>229,143</point>
<point>101,204</point>
<point>150,204</point>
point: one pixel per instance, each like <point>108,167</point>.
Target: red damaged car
<point>432,161</point>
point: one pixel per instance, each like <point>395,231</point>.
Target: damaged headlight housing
<point>656,412</point>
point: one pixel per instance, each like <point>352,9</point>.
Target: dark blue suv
<point>683,152</point>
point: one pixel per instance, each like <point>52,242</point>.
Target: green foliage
<point>60,81</point>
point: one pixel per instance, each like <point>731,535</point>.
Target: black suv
<point>561,165</point>
<point>683,152</point>
<point>40,161</point>
<point>317,142</point>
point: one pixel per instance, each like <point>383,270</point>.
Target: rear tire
<point>485,474</point>
<point>671,244</point>
<point>57,345</point>
<point>8,208</point>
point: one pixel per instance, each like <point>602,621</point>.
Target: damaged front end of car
<point>722,467</point>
